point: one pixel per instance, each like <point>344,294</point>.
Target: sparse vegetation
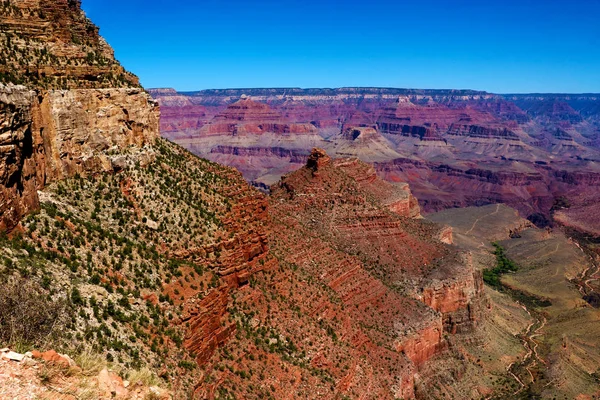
<point>28,317</point>
<point>89,256</point>
<point>491,276</point>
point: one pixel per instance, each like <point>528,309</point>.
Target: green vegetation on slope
<point>95,269</point>
<point>491,276</point>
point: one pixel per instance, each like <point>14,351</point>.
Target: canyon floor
<point>559,355</point>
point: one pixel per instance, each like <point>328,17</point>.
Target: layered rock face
<point>455,148</point>
<point>51,44</point>
<point>406,118</point>
<point>52,135</point>
<point>338,221</point>
<point>253,138</point>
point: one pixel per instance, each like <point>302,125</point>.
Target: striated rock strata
<point>338,222</point>
<point>455,148</point>
<point>51,135</point>
<point>52,44</point>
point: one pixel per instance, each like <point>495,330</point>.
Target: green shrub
<point>491,276</point>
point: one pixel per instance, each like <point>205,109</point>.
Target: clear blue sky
<point>497,46</point>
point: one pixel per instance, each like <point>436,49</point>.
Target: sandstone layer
<point>455,148</point>
<point>52,44</point>
<point>51,135</point>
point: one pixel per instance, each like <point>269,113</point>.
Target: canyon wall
<point>455,148</point>
<point>52,44</point>
<point>77,110</point>
<point>56,134</point>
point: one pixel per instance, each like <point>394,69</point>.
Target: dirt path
<point>590,274</point>
<point>531,358</point>
<point>482,217</point>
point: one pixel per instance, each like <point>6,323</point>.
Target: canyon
<point>168,266</point>
<point>137,256</point>
<point>557,271</point>
<point>455,148</point>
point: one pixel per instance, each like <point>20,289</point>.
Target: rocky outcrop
<point>52,44</point>
<point>48,134</point>
<point>423,344</point>
<point>318,160</point>
<point>207,327</point>
<point>353,231</point>
<point>396,197</point>
<point>18,184</point>
<point>458,298</point>
<point>457,147</point>
<point>79,128</point>
<point>52,135</point>
<point>446,235</point>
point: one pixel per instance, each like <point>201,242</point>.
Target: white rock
<point>126,384</point>
<point>69,359</point>
<point>155,390</point>
<point>11,355</point>
<point>4,350</point>
<point>151,224</point>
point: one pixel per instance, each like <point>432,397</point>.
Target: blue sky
<point>499,46</point>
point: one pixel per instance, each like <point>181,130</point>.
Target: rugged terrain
<point>154,268</point>
<point>556,283</point>
<point>125,248</point>
<point>455,148</point>
<point>51,44</point>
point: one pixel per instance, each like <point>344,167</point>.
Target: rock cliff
<point>52,44</point>
<point>79,108</point>
<point>341,225</point>
<point>455,148</point>
<point>52,135</point>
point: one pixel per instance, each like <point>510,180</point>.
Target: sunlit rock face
<point>455,148</point>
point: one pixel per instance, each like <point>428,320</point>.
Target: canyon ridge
<point>282,244</point>
<point>455,148</point>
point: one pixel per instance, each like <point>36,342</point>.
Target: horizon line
<point>474,91</point>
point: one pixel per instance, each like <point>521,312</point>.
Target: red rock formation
<point>248,117</point>
<point>456,148</point>
<point>407,118</point>
<point>208,328</point>
<point>343,202</point>
<point>423,344</point>
<point>318,160</point>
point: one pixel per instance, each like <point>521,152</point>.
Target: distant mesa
<point>455,147</point>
